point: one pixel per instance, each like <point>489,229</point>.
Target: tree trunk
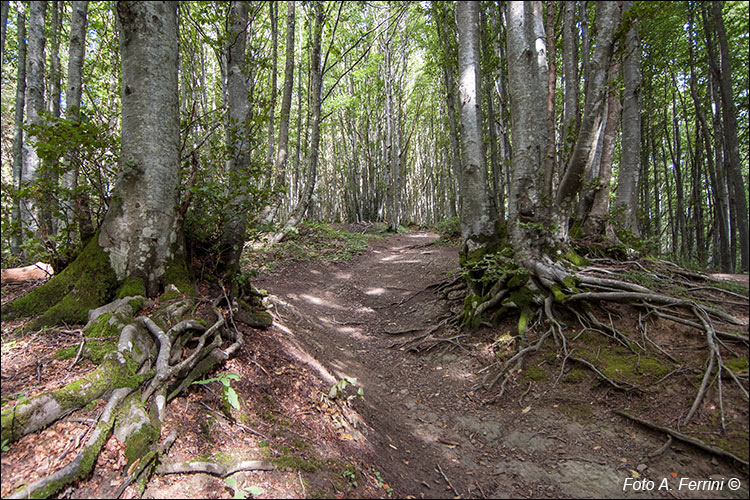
<point>477,228</point>
<point>15,241</point>
<point>608,19</point>
<point>571,113</point>
<point>30,215</point>
<point>729,114</point>
<point>596,221</point>
<point>233,237</point>
<point>51,205</point>
<point>626,202</point>
<point>274,15</point>
<point>4,7</point>
<point>550,156</point>
<point>315,105</point>
<point>286,103</point>
<point>140,231</point>
<point>76,52</point>
<point>527,78</point>
<point>449,79</point>
<point>720,208</point>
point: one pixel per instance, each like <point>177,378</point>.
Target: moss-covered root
<point>85,284</point>
<point>84,462</point>
<point>136,429</point>
<point>38,412</point>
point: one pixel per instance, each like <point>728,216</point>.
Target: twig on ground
<point>450,485</point>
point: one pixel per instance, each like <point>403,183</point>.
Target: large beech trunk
<point>140,231</point>
<point>477,228</point>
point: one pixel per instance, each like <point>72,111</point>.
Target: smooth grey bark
<point>316,83</point>
<point>15,241</point>
<point>477,227</point>
<point>30,215</point>
<point>527,84</point>
<point>391,205</point>
<point>720,202</point>
<point>571,111</point>
<point>4,7</point>
<point>721,189</point>
<point>626,202</point>
<point>449,79</point>
<point>81,211</point>
<point>596,220</point>
<point>286,104</point>
<point>140,231</point>
<point>238,140</point>
<point>550,156</point>
<point>729,116</point>
<point>274,15</point>
<point>608,19</point>
<point>498,186</point>
<point>50,206</point>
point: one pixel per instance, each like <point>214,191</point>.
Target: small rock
<point>641,468</point>
<point>714,461</point>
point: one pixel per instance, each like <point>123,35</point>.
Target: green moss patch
<point>85,284</point>
<point>534,374</point>
<point>177,274</point>
<point>131,288</point>
<point>739,366</point>
<point>139,443</point>
<point>574,376</point>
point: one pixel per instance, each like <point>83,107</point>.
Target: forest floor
<point>421,426</point>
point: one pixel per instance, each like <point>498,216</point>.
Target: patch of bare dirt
<point>433,433</point>
<point>422,428</point>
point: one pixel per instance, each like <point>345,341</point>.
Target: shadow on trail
<point>424,427</point>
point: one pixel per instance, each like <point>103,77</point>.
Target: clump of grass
<point>310,241</point>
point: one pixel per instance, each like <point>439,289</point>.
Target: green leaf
<point>361,392</point>
<point>231,397</point>
<point>254,490</point>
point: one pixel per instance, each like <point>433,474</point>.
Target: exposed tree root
<point>682,437</point>
<point>214,468</point>
<point>560,290</point>
<point>156,358</point>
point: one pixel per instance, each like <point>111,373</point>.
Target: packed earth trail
<point>335,401</point>
<point>429,428</point>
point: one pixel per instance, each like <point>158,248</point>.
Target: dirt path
<point>428,432</point>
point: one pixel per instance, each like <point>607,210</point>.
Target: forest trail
<point>425,428</point>
<point>421,428</point>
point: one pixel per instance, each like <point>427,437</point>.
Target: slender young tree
<point>30,215</point>
<point>76,51</point>
<point>729,115</point>
<point>4,7</point>
<point>237,137</point>
<point>15,241</point>
<point>280,167</point>
<point>316,85</point>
